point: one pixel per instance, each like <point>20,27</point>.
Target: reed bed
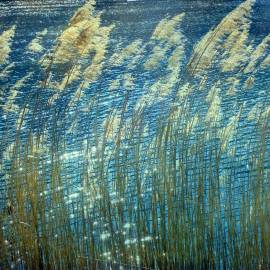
<point>189,191</point>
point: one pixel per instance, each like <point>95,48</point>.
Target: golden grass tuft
<point>35,45</point>
<point>166,29</point>
<point>131,50</point>
<point>210,45</point>
<point>257,54</point>
<point>5,44</point>
<point>214,113</point>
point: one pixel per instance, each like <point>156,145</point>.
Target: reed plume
<point>214,113</point>
<point>128,81</point>
<point>249,82</point>
<point>166,35</point>
<point>166,38</point>
<point>236,49</point>
<point>175,60</point>
<point>115,84</point>
<point>5,44</point>
<point>255,112</point>
<point>130,51</point>
<point>159,90</point>
<point>184,91</point>
<point>234,83</point>
<point>210,45</point>
<point>6,71</point>
<point>157,55</point>
<point>166,29</point>
<point>35,44</point>
<point>80,49</point>
<point>265,63</point>
<point>226,133</point>
<point>10,105</point>
<point>75,41</point>
<point>258,54</point>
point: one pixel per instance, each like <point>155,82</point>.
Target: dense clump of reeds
<point>187,195</point>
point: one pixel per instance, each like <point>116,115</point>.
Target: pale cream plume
<point>266,112</point>
<point>254,113</point>
<point>157,55</point>
<point>234,82</point>
<point>5,44</point>
<point>167,36</point>
<point>75,41</point>
<point>10,105</point>
<point>35,44</point>
<point>256,55</point>
<point>159,89</point>
<point>128,81</point>
<point>79,53</point>
<point>266,63</point>
<point>213,114</point>
<point>115,84</point>
<point>176,58</point>
<point>209,46</point>
<point>184,91</point>
<point>166,29</point>
<point>130,51</point>
<point>99,46</point>
<point>249,82</point>
<point>236,47</point>
<point>226,133</point>
<point>6,71</point>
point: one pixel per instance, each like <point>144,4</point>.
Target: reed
<point>6,42</point>
<point>187,192</point>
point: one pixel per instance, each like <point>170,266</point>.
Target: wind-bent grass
<point>185,195</point>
